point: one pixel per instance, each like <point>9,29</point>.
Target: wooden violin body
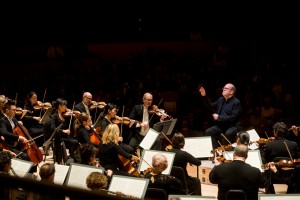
<point>128,166</point>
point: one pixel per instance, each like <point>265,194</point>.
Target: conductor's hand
<point>202,91</point>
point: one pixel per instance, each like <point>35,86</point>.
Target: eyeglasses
<point>148,99</point>
<point>88,98</point>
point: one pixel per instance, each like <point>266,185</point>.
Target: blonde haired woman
<point>109,151</point>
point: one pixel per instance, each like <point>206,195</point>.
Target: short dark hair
<point>244,137</point>
<point>47,170</point>
<point>178,140</point>
<point>5,158</point>
<point>281,129</point>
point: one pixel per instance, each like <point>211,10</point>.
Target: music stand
<point>166,126</point>
<point>46,115</point>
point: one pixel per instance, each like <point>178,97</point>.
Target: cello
<point>34,153</point>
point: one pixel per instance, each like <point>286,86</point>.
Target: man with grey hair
<point>237,175</point>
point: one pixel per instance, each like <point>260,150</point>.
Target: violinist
<point>143,122</point>
<point>280,147</point>
<point>65,131</point>
<point>237,175</point>
<point>83,129</point>
<point>170,184</point>
<point>182,158</point>
<point>110,149</point>
<point>33,117</point>
<point>85,104</point>
<point>110,114</point>
<point>87,154</point>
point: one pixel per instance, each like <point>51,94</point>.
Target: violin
<point>95,104</point>
<point>148,170</point>
<point>19,111</point>
<point>157,111</point>
<point>74,113</point>
<point>41,105</point>
<point>222,148</point>
<point>221,159</point>
<point>263,141</point>
<point>124,120</point>
<point>169,147</point>
<point>284,164</point>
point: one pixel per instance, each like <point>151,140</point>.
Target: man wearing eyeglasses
<point>226,113</point>
<point>143,122</point>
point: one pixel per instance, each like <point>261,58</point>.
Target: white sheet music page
<point>254,158</point>
<point>21,167</point>
<point>129,185</point>
<point>78,173</point>
<point>253,137</point>
<point>199,147</point>
<point>61,172</point>
<point>149,139</point>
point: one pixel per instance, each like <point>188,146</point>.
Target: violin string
<point>71,116</point>
<point>43,101</point>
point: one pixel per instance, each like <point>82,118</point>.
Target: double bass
<point>34,153</point>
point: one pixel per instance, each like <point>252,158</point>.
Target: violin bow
<point>121,129</point>
<point>71,116</point>
<point>16,98</point>
<point>166,137</point>
<point>224,150</point>
<point>43,101</point>
<point>287,148</point>
<point>225,138</point>
<point>157,107</point>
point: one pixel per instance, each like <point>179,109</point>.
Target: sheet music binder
<point>166,126</point>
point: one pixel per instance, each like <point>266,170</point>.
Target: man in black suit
<point>86,106</point>
<point>144,121</point>
<point>7,124</point>
<point>237,175</point>
<point>279,148</point>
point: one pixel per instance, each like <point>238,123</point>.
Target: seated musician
<point>170,184</point>
<point>110,114</point>
<point>83,129</point>
<point>182,158</point>
<point>109,151</point>
<point>7,124</point>
<point>65,132</point>
<point>237,175</point>
<point>280,147</point>
<point>3,100</point>
<point>33,117</point>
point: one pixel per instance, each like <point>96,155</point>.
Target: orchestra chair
<point>236,195</point>
<point>155,193</point>
<point>178,172</point>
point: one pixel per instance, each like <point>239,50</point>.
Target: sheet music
<point>278,196</point>
<point>253,137</point>
<point>254,158</point>
<point>21,167</point>
<point>147,158</point>
<point>129,185</point>
<point>189,197</point>
<point>199,147</point>
<point>149,139</point>
<point>46,115</point>
<point>78,173</point>
<point>61,172</point>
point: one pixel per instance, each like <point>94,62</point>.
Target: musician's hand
<point>67,131</point>
<point>12,153</point>
<point>37,118</point>
<point>109,172</point>
<point>216,161</point>
<point>163,116</point>
<point>2,138</point>
<point>135,158</point>
<point>120,139</point>
<point>20,122</point>
<point>131,122</point>
<point>272,167</point>
<point>22,139</point>
<point>144,125</point>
